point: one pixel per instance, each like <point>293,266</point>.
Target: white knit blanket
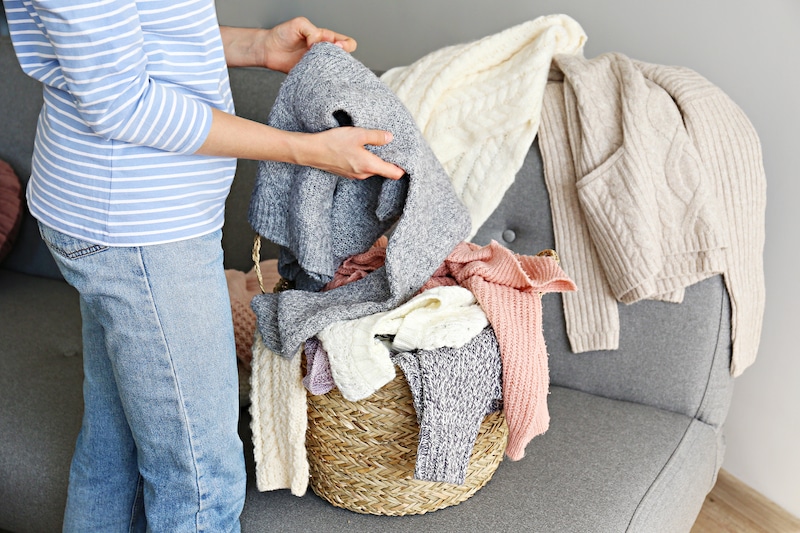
<point>478,104</point>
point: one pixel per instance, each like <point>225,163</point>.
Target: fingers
<point>377,165</point>
<point>377,137</point>
<point>313,35</point>
<point>342,41</point>
<point>387,170</point>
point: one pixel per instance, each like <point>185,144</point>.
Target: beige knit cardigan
<point>656,182</point>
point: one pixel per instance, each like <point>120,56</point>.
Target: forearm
<point>232,136</point>
<point>339,150</point>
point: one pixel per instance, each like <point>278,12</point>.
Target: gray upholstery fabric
<point>254,91</point>
<point>603,465</point>
<point>40,398</point>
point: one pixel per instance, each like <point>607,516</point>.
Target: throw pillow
<point>10,207</point>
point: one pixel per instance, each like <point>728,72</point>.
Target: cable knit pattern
<point>656,182</point>
<point>453,390</point>
<point>320,219</point>
<point>279,421</point>
<point>478,104</point>
<point>649,204</point>
<point>359,351</point>
<point>509,287</point>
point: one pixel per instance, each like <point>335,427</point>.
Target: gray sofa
<point>635,440</point>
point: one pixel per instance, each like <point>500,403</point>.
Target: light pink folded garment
<point>242,287</point>
<point>509,287</point>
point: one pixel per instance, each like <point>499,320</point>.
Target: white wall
<point>747,47</point>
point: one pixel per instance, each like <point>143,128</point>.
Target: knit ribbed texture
<point>279,421</point>
<point>358,266</point>
<point>242,287</point>
<point>649,204</point>
<point>656,182</point>
<point>478,104</point>
<point>359,350</point>
<point>731,152</point>
<point>453,390</point>
<point>320,219</point>
<point>509,287</point>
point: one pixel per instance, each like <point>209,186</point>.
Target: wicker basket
<point>362,454</point>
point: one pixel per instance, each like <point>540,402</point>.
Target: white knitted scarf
<point>478,104</point>
<point>279,421</point>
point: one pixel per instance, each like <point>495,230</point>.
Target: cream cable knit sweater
<point>478,104</point>
<point>656,182</point>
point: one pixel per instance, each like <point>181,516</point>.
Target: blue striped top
<point>128,87</point>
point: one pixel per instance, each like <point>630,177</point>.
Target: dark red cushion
<point>10,207</point>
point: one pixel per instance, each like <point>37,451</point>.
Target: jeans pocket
<point>66,245</point>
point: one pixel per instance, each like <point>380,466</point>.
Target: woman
<point>135,151</point>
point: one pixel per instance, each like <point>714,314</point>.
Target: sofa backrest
<point>673,356</point>
<point>20,102</point>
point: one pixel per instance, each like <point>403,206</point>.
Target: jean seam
<point>135,506</point>
<point>177,388</point>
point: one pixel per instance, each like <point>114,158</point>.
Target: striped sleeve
<point>95,51</point>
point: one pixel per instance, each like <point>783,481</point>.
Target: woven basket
<point>362,454</point>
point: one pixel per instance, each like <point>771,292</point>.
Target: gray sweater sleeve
<point>453,390</point>
<point>320,219</point>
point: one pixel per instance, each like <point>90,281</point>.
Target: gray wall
<point>748,48</point>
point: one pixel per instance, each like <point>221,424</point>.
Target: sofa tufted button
<point>509,235</point>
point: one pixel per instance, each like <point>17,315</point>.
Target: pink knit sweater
<point>509,288</point>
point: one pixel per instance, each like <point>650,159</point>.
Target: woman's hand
<point>287,42</point>
<point>338,150</point>
<point>341,151</point>
<point>278,48</point>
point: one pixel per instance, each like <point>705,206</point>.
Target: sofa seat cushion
<point>41,404</point>
<point>604,465</point>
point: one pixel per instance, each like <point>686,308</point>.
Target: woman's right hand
<point>342,151</point>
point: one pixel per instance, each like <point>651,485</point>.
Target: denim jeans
<point>158,448</point>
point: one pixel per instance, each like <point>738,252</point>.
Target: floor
<point>734,507</point>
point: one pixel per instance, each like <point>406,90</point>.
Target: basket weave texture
<point>362,454</point>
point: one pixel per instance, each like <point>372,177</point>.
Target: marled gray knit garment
<point>319,219</point>
<point>453,390</point>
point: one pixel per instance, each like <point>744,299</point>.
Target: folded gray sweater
<point>453,390</point>
<point>319,219</point>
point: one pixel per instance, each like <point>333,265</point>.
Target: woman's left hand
<point>278,48</point>
<point>287,42</point>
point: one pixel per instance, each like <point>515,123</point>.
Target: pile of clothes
<point>383,278</point>
<point>649,169</point>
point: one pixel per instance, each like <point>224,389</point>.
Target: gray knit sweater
<point>453,390</point>
<point>319,219</point>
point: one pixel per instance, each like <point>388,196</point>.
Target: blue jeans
<point>158,447</point>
